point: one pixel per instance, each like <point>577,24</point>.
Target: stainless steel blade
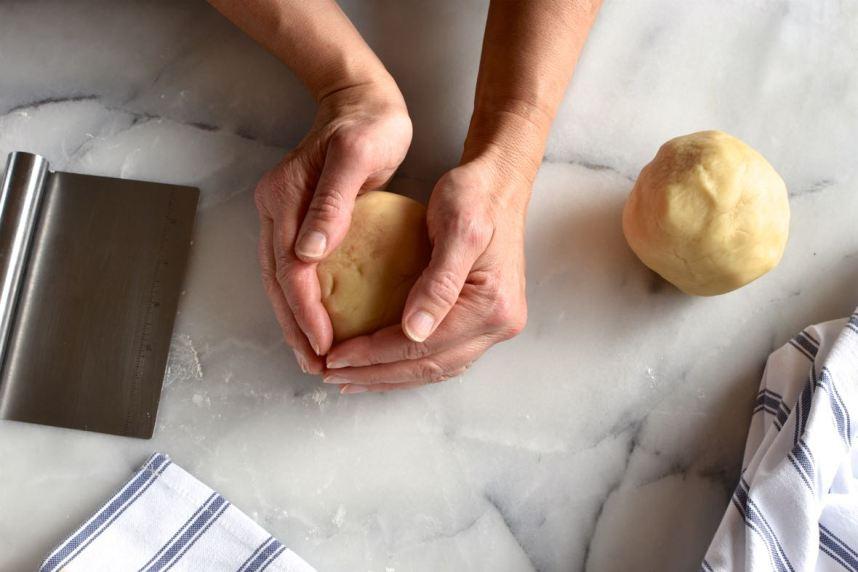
<point>96,303</point>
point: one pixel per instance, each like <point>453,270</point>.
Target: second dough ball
<point>366,280</point>
<point>709,214</point>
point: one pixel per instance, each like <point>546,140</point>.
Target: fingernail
<point>419,326</point>
<point>301,361</point>
<point>315,347</point>
<point>352,389</point>
<point>338,363</point>
<point>335,380</point>
<point>312,244</point>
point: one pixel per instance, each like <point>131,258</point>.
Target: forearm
<point>314,38</point>
<point>529,52</point>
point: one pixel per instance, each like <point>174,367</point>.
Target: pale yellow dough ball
<point>366,280</point>
<point>709,214</point>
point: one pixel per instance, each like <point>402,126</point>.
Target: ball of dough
<point>366,280</point>
<point>709,214</point>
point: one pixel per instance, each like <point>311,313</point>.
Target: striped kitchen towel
<point>796,505</point>
<point>165,519</point>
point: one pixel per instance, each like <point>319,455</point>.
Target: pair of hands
<point>471,295</point>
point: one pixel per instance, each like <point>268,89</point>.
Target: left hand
<point>470,297</point>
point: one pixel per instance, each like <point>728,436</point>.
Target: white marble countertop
<point>607,437</point>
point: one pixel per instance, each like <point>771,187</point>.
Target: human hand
<point>471,296</point>
<point>359,138</point>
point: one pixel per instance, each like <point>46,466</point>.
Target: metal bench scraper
<point>91,271</point>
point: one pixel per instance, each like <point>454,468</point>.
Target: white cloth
<point>164,518</point>
<point>796,505</point>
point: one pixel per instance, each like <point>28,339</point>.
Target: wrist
<point>511,135</point>
<point>346,71</point>
<point>503,185</point>
<point>375,96</point>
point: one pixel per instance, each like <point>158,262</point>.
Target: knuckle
<point>490,285</point>
<point>431,371</point>
<point>443,288</point>
<point>517,325</point>
<point>268,196</point>
<point>273,184</point>
<point>508,317</point>
<point>282,274</point>
<point>355,143</point>
<point>458,371</point>
<point>327,205</point>
<point>472,227</point>
<point>415,350</point>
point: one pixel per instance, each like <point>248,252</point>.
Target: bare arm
<point>313,37</point>
<point>529,52</point>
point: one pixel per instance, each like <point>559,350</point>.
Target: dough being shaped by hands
<point>366,280</point>
<point>709,214</point>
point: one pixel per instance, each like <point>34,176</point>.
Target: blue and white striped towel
<point>796,505</point>
<point>165,519</point>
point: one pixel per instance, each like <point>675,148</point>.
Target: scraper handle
<point>20,200</point>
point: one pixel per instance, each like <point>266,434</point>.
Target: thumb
<point>438,288</point>
<point>326,223</point>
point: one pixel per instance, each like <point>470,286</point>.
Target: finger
<point>347,167</point>
<point>438,288</point>
<point>391,344</point>
<point>426,370</point>
<point>300,285</point>
<point>293,335</point>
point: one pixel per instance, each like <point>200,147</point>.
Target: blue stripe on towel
<point>800,471</point>
<point>782,416</point>
<point>807,343</point>
<point>193,530</point>
<point>110,512</point>
<point>181,530</point>
<point>838,408</point>
<point>852,324</point>
<point>272,558</point>
<point>252,557</point>
<point>802,408</point>
<point>802,459</point>
<point>801,349</point>
<point>757,522</point>
<point>832,555</point>
<point>837,549</point>
<point>772,402</point>
<point>810,337</point>
<point>842,404</point>
<point>852,552</point>
<point>203,531</point>
<point>264,555</point>
<point>753,526</point>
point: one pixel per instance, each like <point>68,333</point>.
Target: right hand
<point>360,136</point>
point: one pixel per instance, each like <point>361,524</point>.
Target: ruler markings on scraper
<point>153,302</point>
